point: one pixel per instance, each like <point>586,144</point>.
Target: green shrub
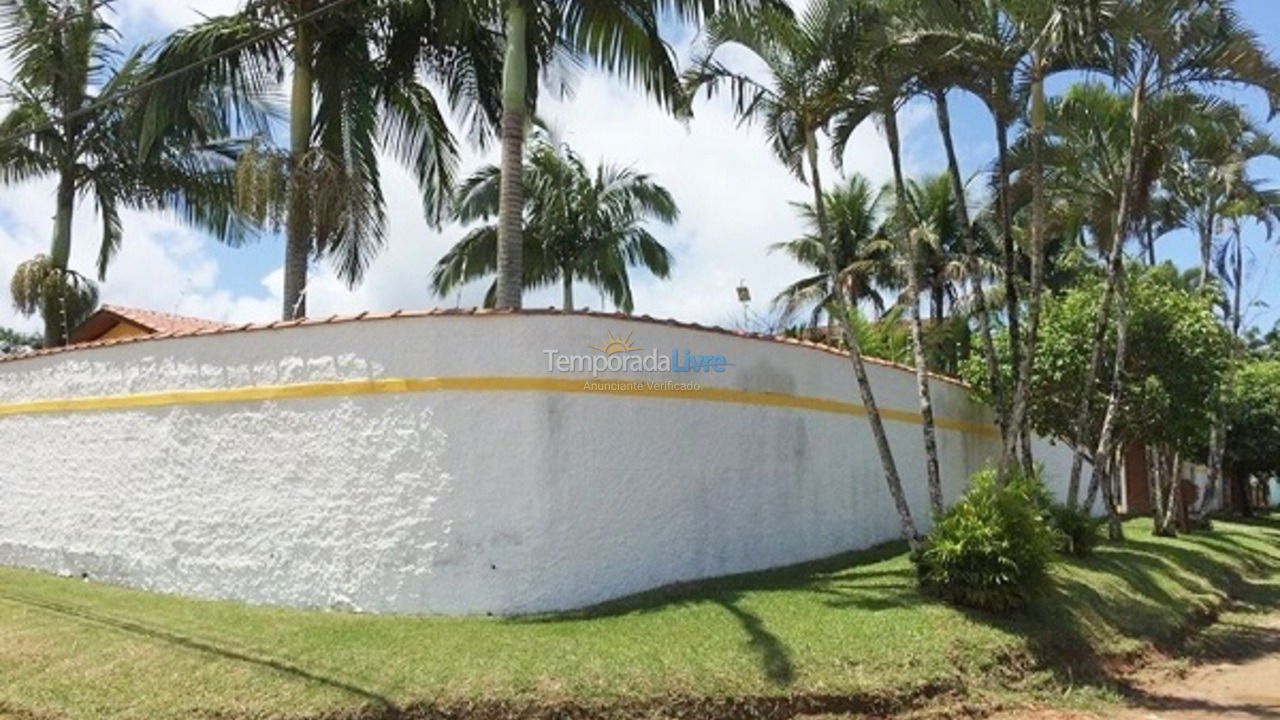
<point>1078,531</point>
<point>991,549</point>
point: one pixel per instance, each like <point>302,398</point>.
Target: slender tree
<point>621,37</point>
<point>579,225</point>
<point>1207,182</point>
<point>357,69</point>
<point>1163,47</point>
<point>807,86</point>
<point>73,116</point>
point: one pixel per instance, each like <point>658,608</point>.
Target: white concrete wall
<point>454,501</point>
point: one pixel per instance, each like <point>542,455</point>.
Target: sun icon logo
<point>615,345</point>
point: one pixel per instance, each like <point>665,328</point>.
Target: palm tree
<point>580,225</point>
<point>942,256</point>
<point>621,37</point>
<point>889,67</point>
<point>1208,183</point>
<point>1084,155</point>
<point>357,87</point>
<point>1003,51</point>
<point>808,84</point>
<point>1164,47</point>
<point>71,117</point>
<point>862,259</point>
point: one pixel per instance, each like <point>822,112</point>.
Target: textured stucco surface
<point>452,501</point>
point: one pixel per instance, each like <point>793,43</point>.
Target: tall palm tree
<point>862,258</point>
<point>579,225</point>
<point>1207,182</point>
<point>356,88</point>
<point>1003,51</point>
<point>889,66</point>
<point>622,37</point>
<point>1084,158</point>
<point>70,117</point>
<point>807,86</point>
<point>1164,47</point>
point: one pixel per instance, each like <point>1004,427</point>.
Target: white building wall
<point>462,500</point>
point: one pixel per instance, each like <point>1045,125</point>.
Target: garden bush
<point>1078,531</point>
<point>991,549</point>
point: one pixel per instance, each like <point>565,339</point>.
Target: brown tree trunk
<point>511,186</point>
<point>298,245</point>
<point>913,313</point>
<point>972,268</point>
<point>1018,417</point>
<point>1009,258</point>
<point>842,306</point>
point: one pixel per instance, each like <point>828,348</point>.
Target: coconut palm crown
<point>580,225</point>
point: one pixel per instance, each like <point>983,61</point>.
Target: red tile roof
<point>213,328</point>
<point>155,323</point>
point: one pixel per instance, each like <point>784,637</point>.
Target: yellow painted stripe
<point>393,386</point>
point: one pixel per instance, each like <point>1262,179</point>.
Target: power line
<point>134,90</point>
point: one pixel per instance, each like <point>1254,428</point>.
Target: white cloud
<point>734,197</point>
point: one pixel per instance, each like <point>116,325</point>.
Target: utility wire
<point>134,90</point>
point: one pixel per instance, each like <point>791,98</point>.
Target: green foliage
<point>1177,357</point>
<point>992,548</point>
<point>1253,415</point>
<point>580,223</point>
<point>12,338</point>
<point>1078,532</point>
<point>64,298</point>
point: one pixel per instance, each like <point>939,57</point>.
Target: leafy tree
<point>1253,415</point>
<point>10,338</point>
<point>1162,48</point>
<point>64,121</point>
<point>1176,356</point>
<point>582,225</point>
<point>356,88</point>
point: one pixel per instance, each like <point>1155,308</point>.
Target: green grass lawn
<point>852,626</point>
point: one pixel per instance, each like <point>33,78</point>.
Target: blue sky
<point>735,201</point>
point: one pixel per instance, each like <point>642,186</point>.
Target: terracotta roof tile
<point>161,322</point>
<point>207,327</point>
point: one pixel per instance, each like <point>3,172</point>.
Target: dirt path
<point>1235,676</point>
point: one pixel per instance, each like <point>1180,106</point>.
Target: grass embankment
<point>837,633</point>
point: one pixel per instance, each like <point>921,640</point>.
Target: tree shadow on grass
<point>160,634</point>
<point>774,655</point>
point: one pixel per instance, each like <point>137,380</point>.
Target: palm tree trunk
<point>972,268</point>
<point>1206,247</point>
<point>1008,257</point>
<point>913,313</point>
<point>56,325</point>
<point>566,277</point>
<point>887,462</point>
<point>1110,289</point>
<point>1218,432</point>
<point>515,82</point>
<point>1116,277</point>
<point>297,251</point>
<point>1018,418</point>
